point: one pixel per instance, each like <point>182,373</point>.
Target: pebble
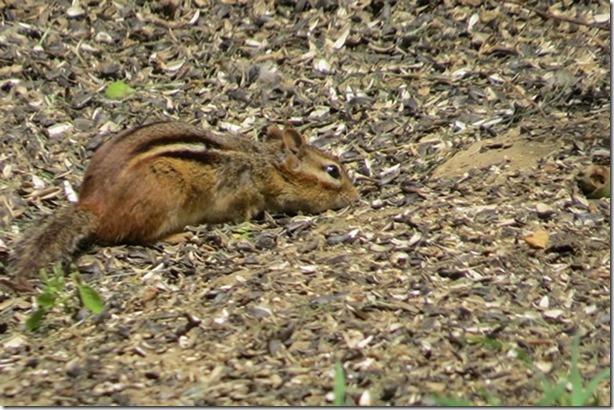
<point>58,129</point>
<point>544,211</point>
<point>265,241</point>
<point>75,11</point>
<point>337,239</point>
<point>365,399</point>
<point>553,314</point>
<point>16,342</point>
<point>102,37</point>
<point>399,258</point>
<point>377,204</point>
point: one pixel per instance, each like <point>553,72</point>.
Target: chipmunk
<point>150,182</point>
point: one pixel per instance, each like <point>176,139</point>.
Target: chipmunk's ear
<point>293,141</point>
<point>273,132</point>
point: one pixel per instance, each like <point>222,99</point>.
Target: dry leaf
<point>538,239</point>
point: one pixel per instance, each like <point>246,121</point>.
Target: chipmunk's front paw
<point>181,238</point>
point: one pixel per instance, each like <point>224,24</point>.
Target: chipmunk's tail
<point>54,240</point>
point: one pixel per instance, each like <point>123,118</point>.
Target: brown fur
<point>152,181</point>
<point>57,237</point>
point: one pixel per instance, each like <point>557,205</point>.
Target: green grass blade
<point>491,399</point>
<point>339,386</point>
<point>552,395</point>
<point>591,387</point>
<point>35,319</point>
<point>577,389</point>
<point>451,402</point>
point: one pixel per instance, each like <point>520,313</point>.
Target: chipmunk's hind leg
<point>150,205</point>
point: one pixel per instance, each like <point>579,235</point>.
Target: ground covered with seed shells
<point>466,270</point>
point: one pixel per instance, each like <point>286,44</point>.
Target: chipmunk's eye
<point>333,171</point>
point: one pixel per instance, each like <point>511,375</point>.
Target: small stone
<point>75,11</point>
<point>102,37</point>
<point>380,248</point>
<point>259,312</point>
<point>110,70</point>
<point>377,204</point>
<point>265,241</point>
<point>436,387</point>
<point>399,258</point>
<point>337,239</point>
<point>172,66</point>
<point>185,342</point>
<point>554,313</point>
<point>57,130</point>
<point>14,343</point>
<point>82,124</point>
<point>245,246</point>
<point>251,260</point>
<point>544,367</point>
<point>308,268</point>
<point>544,211</point>
<point>544,303</point>
<point>365,399</point>
<point>80,100</point>
<point>275,346</point>
<point>602,18</point>
<point>589,310</point>
<point>309,246</point>
<point>73,368</point>
<point>323,66</point>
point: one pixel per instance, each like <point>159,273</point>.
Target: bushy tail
<point>54,240</point>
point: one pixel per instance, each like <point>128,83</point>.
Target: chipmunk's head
<point>315,180</point>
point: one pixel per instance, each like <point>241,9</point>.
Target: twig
<point>548,15</point>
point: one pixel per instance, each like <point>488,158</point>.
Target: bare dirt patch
<point>510,151</point>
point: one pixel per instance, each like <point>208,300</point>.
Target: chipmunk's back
<point>154,179</point>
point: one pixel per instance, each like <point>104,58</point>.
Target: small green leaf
<point>91,299</point>
<point>44,276</point>
<point>117,90</point>
<point>34,321</point>
<point>577,390</point>
<point>47,298</point>
<point>339,387</point>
